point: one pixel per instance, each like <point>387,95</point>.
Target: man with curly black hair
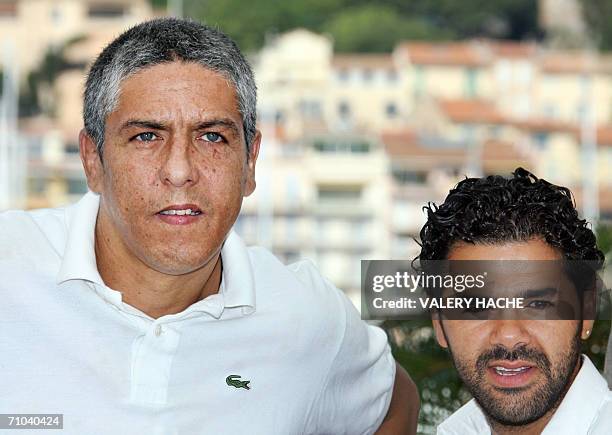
<point>527,376</point>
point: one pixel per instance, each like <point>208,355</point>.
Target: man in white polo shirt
<point>138,310</point>
<point>524,368</point>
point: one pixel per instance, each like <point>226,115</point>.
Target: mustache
<point>524,353</point>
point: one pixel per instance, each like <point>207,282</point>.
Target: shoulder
<point>467,420</point>
<point>26,233</point>
<point>603,422</point>
<point>299,294</point>
<point>297,283</point>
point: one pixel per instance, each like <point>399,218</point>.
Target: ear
<point>249,186</point>
<point>437,326</point>
<point>91,162</point>
<point>587,329</point>
<point>589,309</point>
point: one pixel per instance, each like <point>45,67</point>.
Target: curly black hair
<point>496,209</point>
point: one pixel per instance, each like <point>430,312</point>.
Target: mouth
<point>511,374</point>
<point>180,214</point>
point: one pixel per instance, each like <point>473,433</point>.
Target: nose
<point>509,333</point>
<point>177,168</point>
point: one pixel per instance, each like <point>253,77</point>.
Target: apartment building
<point>76,30</point>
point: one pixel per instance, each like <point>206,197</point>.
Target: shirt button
<point>158,330</point>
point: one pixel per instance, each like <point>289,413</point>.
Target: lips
<point>511,374</point>
<point>180,214</point>
<point>180,209</point>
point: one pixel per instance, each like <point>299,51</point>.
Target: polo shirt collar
<point>79,262</point>
<point>581,403</point>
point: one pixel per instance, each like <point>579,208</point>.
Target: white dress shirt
<point>585,409</point>
<point>69,345</point>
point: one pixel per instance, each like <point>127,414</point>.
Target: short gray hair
<point>165,40</point>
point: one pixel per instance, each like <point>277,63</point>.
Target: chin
<point>170,263</point>
<point>175,269</point>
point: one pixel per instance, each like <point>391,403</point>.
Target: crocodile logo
<point>234,381</point>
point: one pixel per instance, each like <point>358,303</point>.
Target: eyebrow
<point>223,122</point>
<point>540,292</point>
<point>154,125</point>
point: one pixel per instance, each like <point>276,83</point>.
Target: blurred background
<point>369,110</point>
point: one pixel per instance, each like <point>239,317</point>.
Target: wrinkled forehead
<point>187,89</point>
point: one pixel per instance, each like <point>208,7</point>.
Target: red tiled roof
<point>545,125</point>
<point>503,152</point>
<point>511,49</point>
<point>448,53</point>
<point>471,111</point>
<point>568,62</point>
<point>406,143</point>
<point>496,155</point>
<point>374,61</point>
<point>604,135</point>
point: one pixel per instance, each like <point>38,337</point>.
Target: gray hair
<point>159,41</point>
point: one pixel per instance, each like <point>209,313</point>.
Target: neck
<point>536,427</point>
<point>154,293</point>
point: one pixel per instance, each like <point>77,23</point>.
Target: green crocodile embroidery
<point>234,381</point>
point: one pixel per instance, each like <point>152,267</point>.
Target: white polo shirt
<point>69,345</point>
<point>585,409</point>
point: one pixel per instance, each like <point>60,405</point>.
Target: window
<point>550,111</point>
<point>419,81</point>
<point>77,187</point>
<point>289,257</point>
<point>343,75</point>
<point>471,85</point>
<point>407,176</point>
<point>344,110</point>
<point>292,192</point>
<point>105,10</point>
<point>310,109</point>
<point>72,148</point>
<point>339,193</point>
<point>56,15</point>
<point>391,110</point>
<point>291,228</point>
<point>540,138</point>
<point>279,117</point>
<point>524,72</point>
<point>342,146</point>
<point>37,185</point>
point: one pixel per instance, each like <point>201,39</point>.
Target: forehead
<point>535,249</point>
<point>176,90</point>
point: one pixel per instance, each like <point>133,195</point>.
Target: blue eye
<point>540,305</point>
<point>145,137</point>
<point>213,137</point>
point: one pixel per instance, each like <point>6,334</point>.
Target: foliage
<point>377,29</point>
<point>596,14</point>
<point>360,25</point>
<point>604,240</point>
<point>54,62</point>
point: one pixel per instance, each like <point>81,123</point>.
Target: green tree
<point>596,14</point>
<point>367,25</point>
<point>249,23</point>
<point>371,28</point>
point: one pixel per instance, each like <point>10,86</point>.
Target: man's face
<point>174,143</point>
<point>517,370</point>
